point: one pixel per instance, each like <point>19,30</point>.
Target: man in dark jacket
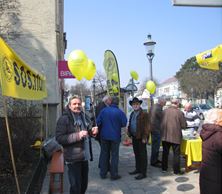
<point>72,132</point>
<point>139,130</point>
<point>171,132</point>
<point>111,119</point>
<point>211,165</point>
<point>156,119</point>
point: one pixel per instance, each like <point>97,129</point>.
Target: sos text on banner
<point>18,80</point>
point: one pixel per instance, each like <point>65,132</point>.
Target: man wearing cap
<point>138,130</point>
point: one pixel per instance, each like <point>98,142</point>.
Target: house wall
<point>170,90</point>
<point>34,29</point>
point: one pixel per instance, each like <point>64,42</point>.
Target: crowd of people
<point>162,124</point>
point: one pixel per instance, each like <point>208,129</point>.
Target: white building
<point>170,88</point>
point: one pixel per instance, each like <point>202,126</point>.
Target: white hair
<point>105,98</point>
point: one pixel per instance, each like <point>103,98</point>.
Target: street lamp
<point>150,44</point>
<point>131,87</point>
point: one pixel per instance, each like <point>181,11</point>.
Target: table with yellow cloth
<point>192,149</point>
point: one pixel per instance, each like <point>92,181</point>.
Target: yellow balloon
<point>90,70</point>
<point>115,77</point>
<point>77,62</point>
<point>151,87</point>
<point>134,75</point>
<point>115,89</point>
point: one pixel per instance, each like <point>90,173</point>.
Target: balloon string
<point>83,109</point>
<point>93,108</point>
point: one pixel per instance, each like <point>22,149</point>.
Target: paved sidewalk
<point>155,183</point>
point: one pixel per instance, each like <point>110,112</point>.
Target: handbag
<point>49,147</point>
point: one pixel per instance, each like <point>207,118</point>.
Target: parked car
<point>201,109</point>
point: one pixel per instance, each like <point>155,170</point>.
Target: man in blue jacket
<point>111,119</point>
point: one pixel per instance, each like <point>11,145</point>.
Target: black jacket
<point>156,117</point>
<point>67,134</point>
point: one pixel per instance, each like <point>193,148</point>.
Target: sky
<point>122,26</point>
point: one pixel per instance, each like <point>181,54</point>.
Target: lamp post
<point>131,87</point>
<point>149,45</point>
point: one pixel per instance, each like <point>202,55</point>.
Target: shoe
<point>140,176</point>
<point>115,177</point>
<point>103,177</point>
<point>158,165</point>
<point>179,173</point>
<point>134,172</point>
<point>159,161</point>
<point>164,171</point>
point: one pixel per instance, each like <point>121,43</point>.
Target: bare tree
<point>100,82</point>
<point>80,89</point>
<point>142,86</point>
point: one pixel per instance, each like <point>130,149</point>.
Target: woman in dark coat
<point>211,166</point>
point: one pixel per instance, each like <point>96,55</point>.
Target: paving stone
<point>155,183</point>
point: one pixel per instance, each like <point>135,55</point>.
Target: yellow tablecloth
<point>192,149</point>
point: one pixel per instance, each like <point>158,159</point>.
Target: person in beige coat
<point>171,134</point>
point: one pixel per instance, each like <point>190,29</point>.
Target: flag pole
<point>10,145</point>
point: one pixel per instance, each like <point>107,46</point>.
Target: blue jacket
<point>111,119</point>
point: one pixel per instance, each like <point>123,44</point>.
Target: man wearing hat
<point>139,130</point>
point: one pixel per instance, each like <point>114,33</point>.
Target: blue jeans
<point>78,177</point>
<point>155,135</point>
<point>109,150</point>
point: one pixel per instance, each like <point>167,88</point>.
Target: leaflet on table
<point>189,133</point>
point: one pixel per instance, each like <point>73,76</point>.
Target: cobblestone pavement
<point>155,183</point>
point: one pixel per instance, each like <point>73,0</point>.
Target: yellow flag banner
<point>210,59</point>
<point>18,80</point>
<point>112,73</point>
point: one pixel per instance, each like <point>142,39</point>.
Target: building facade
<point>35,31</point>
<point>169,89</point>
